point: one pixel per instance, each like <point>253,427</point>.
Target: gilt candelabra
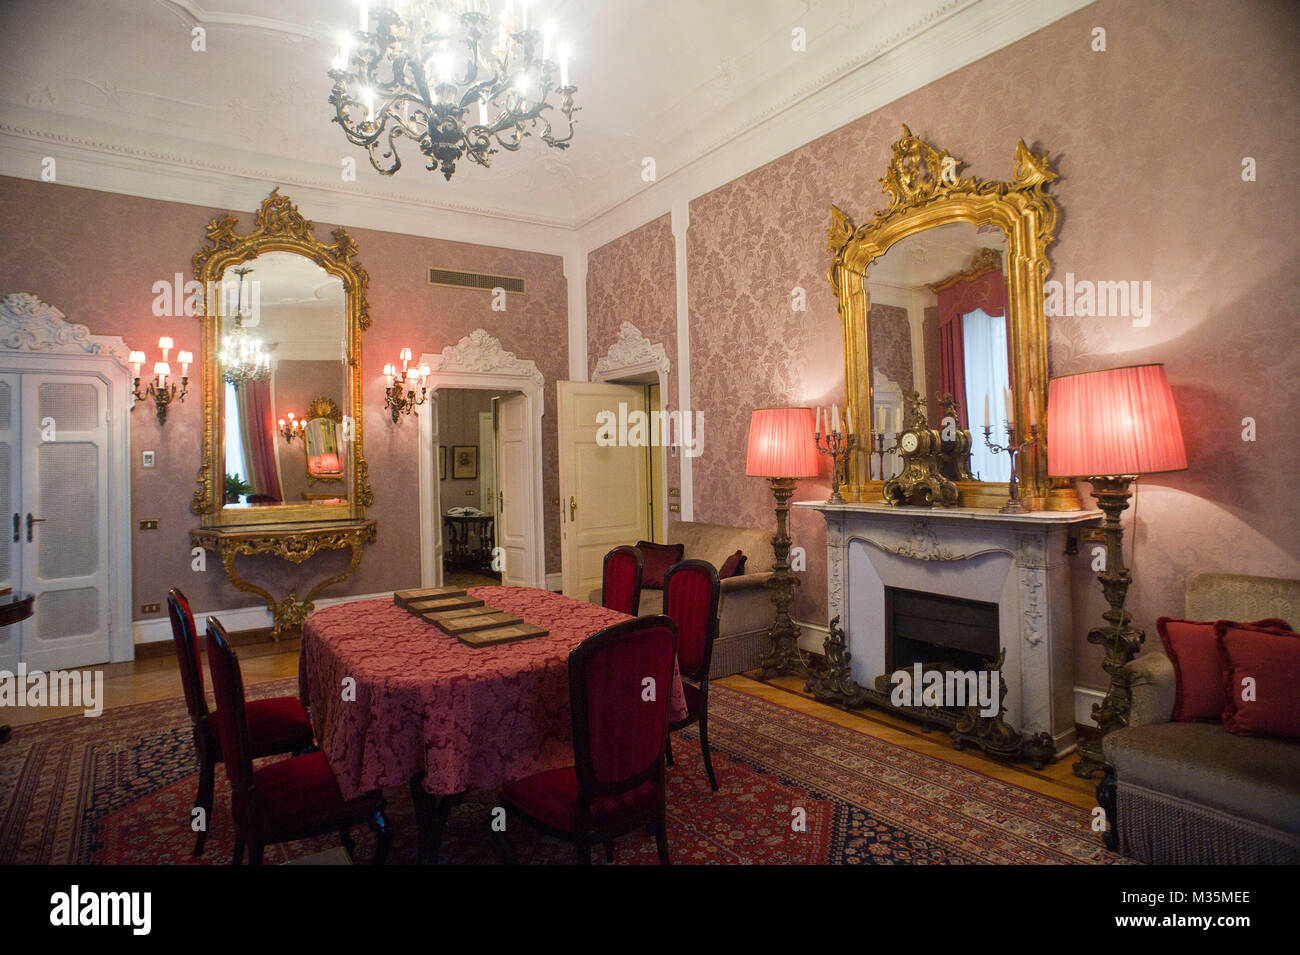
<point>1013,450</point>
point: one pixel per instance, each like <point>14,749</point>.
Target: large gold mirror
<point>942,294</point>
<point>282,322</point>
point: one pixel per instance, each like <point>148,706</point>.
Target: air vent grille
<point>455,278</point>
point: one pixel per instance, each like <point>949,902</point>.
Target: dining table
<point>396,701</point>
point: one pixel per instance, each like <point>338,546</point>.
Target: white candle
<point>986,410</point>
<point>1009,397</point>
<point>848,418</point>
<point>186,358</point>
<point>1033,411</point>
<point>564,66</point>
<point>364,19</point>
<point>817,428</point>
<point>835,419</point>
<point>162,370</point>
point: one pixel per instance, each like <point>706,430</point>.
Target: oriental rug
<point>794,790</point>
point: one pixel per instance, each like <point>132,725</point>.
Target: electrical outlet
<point>471,493</point>
<point>149,525</point>
<point>146,459</point>
<point>674,508</point>
<point>150,608</point>
<point>674,492</point>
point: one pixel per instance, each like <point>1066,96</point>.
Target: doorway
<point>469,485</point>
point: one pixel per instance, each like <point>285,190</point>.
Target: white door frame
<point>478,361</point>
<point>36,337</point>
<point>631,356</point>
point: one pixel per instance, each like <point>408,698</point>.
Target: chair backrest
<point>621,580</point>
<point>691,595</point>
<point>186,639</point>
<point>620,721</point>
<point>232,720</point>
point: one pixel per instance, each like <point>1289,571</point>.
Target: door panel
<point>11,506</point>
<point>603,489</point>
<point>65,562</point>
<point>514,520</point>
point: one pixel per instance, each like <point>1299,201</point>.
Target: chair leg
<point>255,853</point>
<point>238,857</point>
<point>661,838</point>
<point>583,853</point>
<point>383,836</point>
<point>609,850</point>
<point>704,749</point>
<point>203,800</point>
<point>668,749</point>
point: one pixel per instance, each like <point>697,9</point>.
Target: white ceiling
<point>669,79</point>
<point>934,254</point>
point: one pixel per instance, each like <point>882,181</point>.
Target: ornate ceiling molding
<point>632,350</point>
<point>28,324</point>
<point>482,354</point>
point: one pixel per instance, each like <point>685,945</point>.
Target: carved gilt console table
<point>292,542</point>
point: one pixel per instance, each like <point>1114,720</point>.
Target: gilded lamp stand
<point>782,654</point>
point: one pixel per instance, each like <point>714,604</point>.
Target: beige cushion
<point>1248,777</point>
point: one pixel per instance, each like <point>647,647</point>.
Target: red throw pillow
<point>1261,671</point>
<point>655,561</point>
<point>1193,648</point>
<point>733,566</point>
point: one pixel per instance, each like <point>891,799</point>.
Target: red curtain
<point>987,292</point>
<point>258,420</point>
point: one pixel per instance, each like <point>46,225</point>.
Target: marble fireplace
<point>1015,562</point>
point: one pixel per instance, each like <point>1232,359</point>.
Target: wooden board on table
<point>483,621</point>
<point>438,616</point>
<point>421,607</point>
<point>498,635</point>
<point>403,597</point>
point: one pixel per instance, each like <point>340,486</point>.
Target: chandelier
<point>242,355</point>
<point>455,76</point>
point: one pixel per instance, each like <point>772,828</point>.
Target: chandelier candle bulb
<point>136,359</point>
<point>835,419</point>
<point>166,345</point>
<point>564,66</point>
<point>186,359</point>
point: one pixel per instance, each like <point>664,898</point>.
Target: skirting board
<point>812,636</point>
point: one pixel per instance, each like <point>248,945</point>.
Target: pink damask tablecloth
<point>426,703</point>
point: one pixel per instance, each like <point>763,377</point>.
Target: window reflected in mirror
<point>938,326</point>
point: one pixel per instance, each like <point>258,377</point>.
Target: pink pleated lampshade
<point>1121,421</point>
<point>781,443</point>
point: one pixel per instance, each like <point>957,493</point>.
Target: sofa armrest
<point>1153,684</point>
<point>744,581</point>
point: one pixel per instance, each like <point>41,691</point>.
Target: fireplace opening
<point>938,631</point>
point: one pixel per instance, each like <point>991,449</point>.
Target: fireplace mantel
<point>1017,561</point>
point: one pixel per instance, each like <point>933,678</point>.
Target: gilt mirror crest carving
<point>941,294</point>
<point>282,320</point>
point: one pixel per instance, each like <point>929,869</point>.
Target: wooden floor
<point>158,679</point>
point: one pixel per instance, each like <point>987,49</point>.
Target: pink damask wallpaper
<point>1149,139</point>
<point>634,279</point>
<point>96,255</point>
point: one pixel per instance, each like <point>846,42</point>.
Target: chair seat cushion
<point>1251,778</point>
<point>552,799</point>
<point>276,725</point>
<point>300,794</point>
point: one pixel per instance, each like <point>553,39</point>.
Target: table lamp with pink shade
<point>1109,427</point>
<point>782,449</point>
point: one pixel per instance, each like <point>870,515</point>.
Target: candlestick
<point>835,419</point>
<point>1013,450</point>
<point>838,446</point>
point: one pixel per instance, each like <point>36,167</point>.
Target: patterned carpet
<point>119,789</point>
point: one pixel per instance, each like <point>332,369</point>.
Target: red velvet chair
<point>290,799</point>
<point>622,580</point>
<point>691,594</point>
<point>616,784</point>
<point>277,725</point>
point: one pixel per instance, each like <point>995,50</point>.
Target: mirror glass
<point>938,326</point>
<point>283,361</point>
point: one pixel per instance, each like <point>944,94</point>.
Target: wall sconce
<point>291,429</point>
<point>162,393</point>
<point>406,389</point>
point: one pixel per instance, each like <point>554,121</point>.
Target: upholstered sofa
<point>745,610</point>
<point>1193,793</point>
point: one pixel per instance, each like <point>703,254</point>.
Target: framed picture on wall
<point>464,462</point>
<point>442,462</point>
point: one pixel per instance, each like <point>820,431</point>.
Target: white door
<point>603,489</point>
<point>515,505</point>
<point>435,519</point>
<point>487,462</point>
<point>64,523</point>
<point>11,506</point>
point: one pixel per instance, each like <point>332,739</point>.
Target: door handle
<point>573,506</point>
<point>501,501</point>
<point>30,521</point>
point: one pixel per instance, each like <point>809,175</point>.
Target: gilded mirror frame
<point>925,191</point>
<point>278,227</point>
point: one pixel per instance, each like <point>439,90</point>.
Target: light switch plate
<point>146,459</point>
<point>150,524</point>
<point>674,508</point>
<point>151,608</point>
